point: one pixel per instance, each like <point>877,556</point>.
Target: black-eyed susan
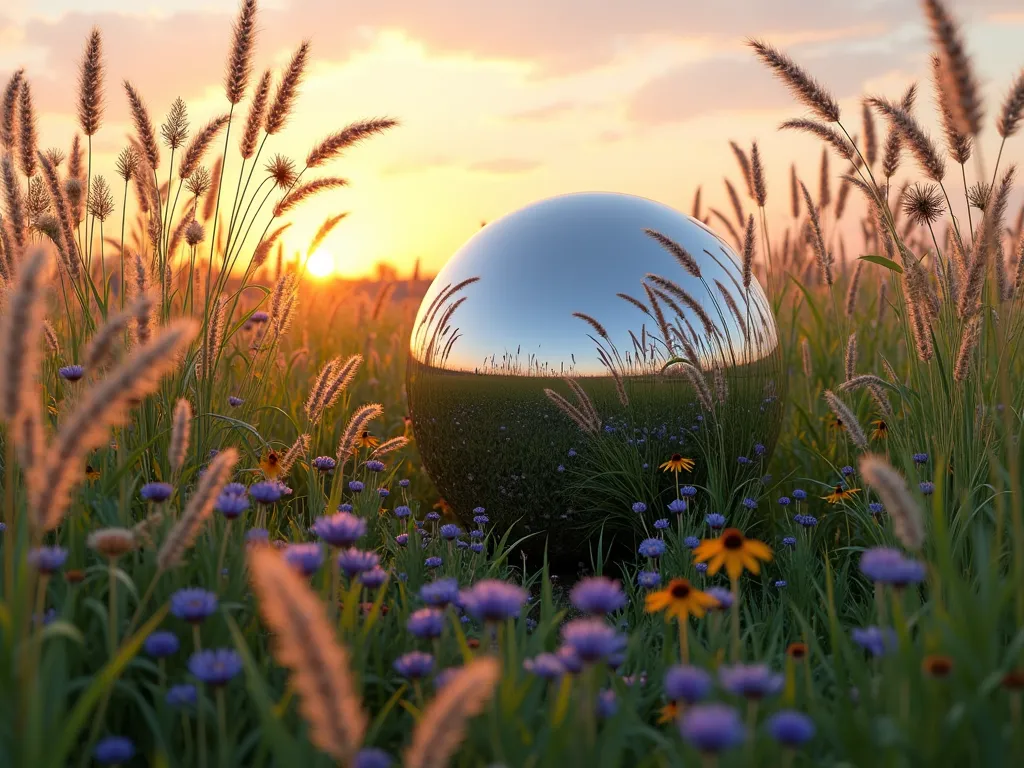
<point>733,551</point>
<point>677,464</point>
<point>937,665</point>
<point>880,429</point>
<point>834,422</point>
<point>271,465</point>
<point>91,473</point>
<point>797,651</point>
<point>841,493</point>
<point>444,506</point>
<point>366,440</point>
<point>668,713</point>
<point>681,600</point>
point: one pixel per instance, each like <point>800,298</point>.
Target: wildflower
<point>215,667</point>
<point>874,640</point>
<point>1013,680</point>
<point>661,524</point>
<point>797,650</point>
<point>880,429</point>
<point>743,461</point>
<point>570,660</point>
<point>383,492</point>
<point>886,565</point>
<point>324,463</point>
<point>433,516</point>
<point>493,600</point>
<point>688,491</point>
<point>639,507</point>
<point>607,704</point>
<point>366,440</point>
<point>560,468</point>
<point>807,521</point>
<point>375,466</point>
<point>271,466</point>
<point>476,534</point>
<point>305,558</point>
<point>181,696</point>
<point>193,604</point>
<point>161,644</point>
<point>47,560</point>
<point>780,583</point>
<point>450,531</point>
<point>257,536</point>
<point>404,482</point>
<point>113,749</point>
<point>875,508</point>
<point>652,548</point>
<point>71,372</point>
<point>402,539</point>
<point>920,458</point>
<point>799,495</point>
<point>433,562</point>
<point>546,666</point>
<point>723,598</point>
<point>648,579</point>
<point>112,543</point>
<point>345,507</point>
<point>481,519</point>
<point>840,494</point>
<point>715,521</point>
<point>937,666</point>
<point>790,728</point>
<point>597,596</point>
<point>371,757</point>
<point>354,561</point>
<point>784,501</point>
<point>374,578</point>
<point>789,541</point>
<point>266,492</point>
<point>402,511</point>
<point>426,623</point>
<point>680,599</point>
<point>476,547</point>
<point>414,665</point>
<point>440,593</point>
<point>91,473</point>
<point>592,639</point>
<point>712,727</point>
<point>234,401</point>
<point>692,542</point>
<point>685,683</point>
<point>927,488</point>
<point>156,492</point>
<point>356,486</point>
<point>677,506</point>
<point>260,316</point>
<point>749,503</point>
<point>231,505</point>
<point>677,464</point>
<point>72,576</point>
<point>733,551</point>
<point>340,530</point>
<point>752,681</point>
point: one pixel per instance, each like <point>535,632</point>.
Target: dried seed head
<point>924,204</point>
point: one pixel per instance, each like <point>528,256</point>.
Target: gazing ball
<point>570,348</point>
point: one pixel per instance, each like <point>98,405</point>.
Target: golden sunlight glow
<point>321,263</point>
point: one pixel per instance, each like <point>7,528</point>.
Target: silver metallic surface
<point>502,322</point>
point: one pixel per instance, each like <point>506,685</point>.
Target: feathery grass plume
<point>287,89</point>
<point>127,163</point>
<point>282,170</point>
<point>1013,106</point>
<point>794,192</point>
<point>913,137</point>
<point>21,324</point>
<point>958,144</point>
<point>907,520</point>
<point>259,256</point>
<point>985,242</point>
<point>730,302</point>
<point>255,117</point>
<point>363,415</point>
<point>305,191</point>
<point>805,88</point>
<point>586,405</point>
<point>90,85</point>
<point>51,338</point>
<point>198,510</point>
<point>27,139</point>
<point>297,451</point>
<point>142,328</point>
<point>340,377</point>
<point>710,330</point>
<point>385,292</point>
<point>101,200</point>
<point>968,342</point>
<point>305,642</point>
<point>390,446</point>
<point>443,725</point>
<point>211,200</point>
<point>721,386</point>
<point>850,360</point>
<point>325,229</point>
<point>207,358</point>
<point>841,198</point>
<point>893,142</point>
<point>870,137</point>
<point>104,405</point>
<point>181,432</point>
<point>924,204</point>
<point>757,176</point>
<point>67,244</point>
<point>315,398</point>
<point>635,302</point>
<point>700,386</point>
<point>198,184</point>
<point>175,127</point>
<point>97,353</point>
<point>824,187</point>
<point>143,126</point>
<point>239,66</point>
<point>143,531</point>
<point>620,387</point>
<point>9,110</point>
<point>14,202</point>
<point>845,415</point>
<point>695,209</point>
<point>38,200</point>
<point>737,206</point>
<point>1018,277</point>
<point>817,238</point>
<point>30,441</point>
<point>282,288</point>
<point>679,253</point>
<point>197,147</point>
<point>749,241</point>
<point>861,381</point>
<point>659,318</point>
<point>744,163</point>
<point>593,323</point>
<point>922,332</point>
<point>7,254</point>
<point>187,219</point>
<point>727,223</point>
<point>957,71</point>
<point>851,294</point>
<point>337,142</point>
<point>578,417</point>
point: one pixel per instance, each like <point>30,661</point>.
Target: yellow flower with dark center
<point>880,431</point>
<point>936,665</point>
<point>444,506</point>
<point>840,494</point>
<point>797,650</point>
<point>271,465</point>
<point>733,551</point>
<point>366,440</point>
<point>668,713</point>
<point>91,473</point>
<point>677,464</point>
<point>681,600</point>
<point>836,423</point>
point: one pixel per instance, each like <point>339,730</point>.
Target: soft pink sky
<point>504,102</point>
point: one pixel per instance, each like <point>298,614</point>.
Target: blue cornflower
<point>723,596</point>
<point>266,492</point>
<point>743,461</point>
<point>607,705</point>
<point>572,453</point>
<point>476,534</point>
<point>648,579</point>
<point>592,639</point>
<point>354,561</point>
<point>433,516</point>
<point>685,683</point>
<point>702,568</point>
<point>481,519</point>
<point>305,558</point>
<point>780,583</point>
<point>402,539</point>
<point>383,492</point>
<point>450,531</point>
<point>749,503</point>
<point>790,728</point>
<point>47,559</point>
<point>784,501</point>
<point>545,665</point>
<point>476,547</point>
<point>374,466</point>
<point>231,505</point>
<point>161,644</point>
<point>371,757</point>
<point>193,604</point>
<point>442,678</point>
<point>715,521</point>
<point>692,542</point>
<point>356,486</point>
<point>404,482</point>
<point>478,511</point>
<point>799,495</point>
<point>875,508</point>
<point>885,565</point>
<point>373,578</point>
<point>180,696</point>
<point>324,463</point>
<point>236,488</point>
<point>570,660</point>
<point>807,521</point>
<point>688,491</point>
<point>759,449</point>
<point>414,665</point>
<point>257,536</point>
<point>874,640</point>
<point>340,530</point>
<point>677,506</point>
<point>846,471</point>
<point>560,468</point>
<point>234,401</point>
<point>433,562</point>
<point>920,458</point>
<point>712,727</point>
<point>927,488</point>
<point>71,372</point>
<point>156,492</point>
<point>426,623</point>
<point>652,548</point>
<point>259,316</point>
<point>661,524</point>
<point>639,507</point>
<point>789,541</point>
<point>462,544</point>
<point>215,667</point>
<point>402,511</point>
<point>598,595</point>
<point>113,749</point>
<point>753,681</point>
<point>345,507</point>
<point>493,600</point>
<point>440,593</point>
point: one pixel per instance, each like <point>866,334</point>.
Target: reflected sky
<point>508,301</point>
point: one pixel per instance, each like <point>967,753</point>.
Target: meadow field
<point>221,547</point>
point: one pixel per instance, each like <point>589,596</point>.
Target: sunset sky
<point>504,102</point>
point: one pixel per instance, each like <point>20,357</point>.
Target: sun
<point>321,263</point>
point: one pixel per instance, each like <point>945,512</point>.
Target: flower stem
<point>200,719</point>
<point>735,609</point>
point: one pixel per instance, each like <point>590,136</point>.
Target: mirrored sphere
<point>570,349</point>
